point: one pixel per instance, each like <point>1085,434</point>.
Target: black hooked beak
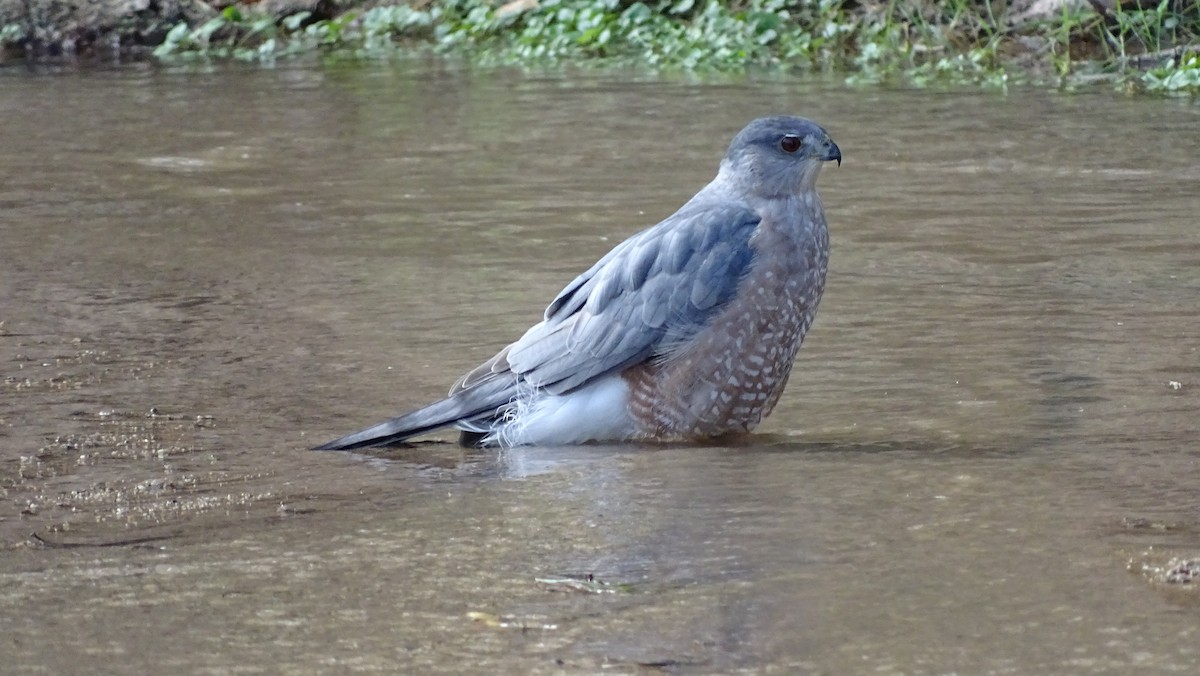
<point>832,152</point>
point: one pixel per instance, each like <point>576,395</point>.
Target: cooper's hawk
<point>686,330</point>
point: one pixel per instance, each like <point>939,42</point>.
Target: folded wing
<point>655,290</point>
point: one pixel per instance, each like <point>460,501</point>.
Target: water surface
<point>986,461</point>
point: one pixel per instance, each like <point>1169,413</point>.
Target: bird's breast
<point>729,376</point>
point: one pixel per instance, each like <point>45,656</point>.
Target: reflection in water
<point>981,435</point>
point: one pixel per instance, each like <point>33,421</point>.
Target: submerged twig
<point>51,544</point>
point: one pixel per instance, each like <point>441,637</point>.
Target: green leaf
<point>683,7</point>
<point>171,42</point>
<point>205,31</point>
<point>292,21</point>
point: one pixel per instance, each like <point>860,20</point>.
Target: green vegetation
<point>1137,46</point>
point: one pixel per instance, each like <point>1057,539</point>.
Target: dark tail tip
<point>350,443</point>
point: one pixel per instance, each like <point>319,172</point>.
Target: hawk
<point>685,331</point>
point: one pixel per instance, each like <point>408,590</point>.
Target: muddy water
<point>988,460</point>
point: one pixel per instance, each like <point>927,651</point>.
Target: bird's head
<point>777,156</point>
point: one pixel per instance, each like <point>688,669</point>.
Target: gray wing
<point>653,290</point>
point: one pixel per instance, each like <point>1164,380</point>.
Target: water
<point>986,461</point>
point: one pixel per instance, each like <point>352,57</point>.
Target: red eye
<point>790,144</point>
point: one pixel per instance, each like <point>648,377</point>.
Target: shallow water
<point>988,459</point>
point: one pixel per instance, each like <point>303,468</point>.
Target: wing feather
<point>664,282</point>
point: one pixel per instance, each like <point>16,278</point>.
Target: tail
<point>483,400</point>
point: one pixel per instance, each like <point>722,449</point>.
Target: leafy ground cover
<point>1133,45</point>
